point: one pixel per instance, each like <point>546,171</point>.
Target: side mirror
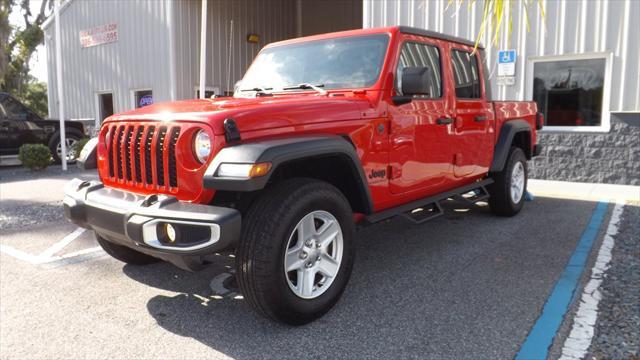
<point>413,81</point>
<point>416,81</point>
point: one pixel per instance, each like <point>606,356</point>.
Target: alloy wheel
<point>313,254</point>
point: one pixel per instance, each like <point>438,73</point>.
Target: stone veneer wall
<point>612,158</point>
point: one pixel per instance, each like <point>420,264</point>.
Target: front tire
<point>125,254</point>
<point>297,251</point>
<point>508,192</point>
<point>72,137</point>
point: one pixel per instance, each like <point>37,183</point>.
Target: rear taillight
<point>539,120</point>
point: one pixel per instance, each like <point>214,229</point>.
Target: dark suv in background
<point>20,125</point>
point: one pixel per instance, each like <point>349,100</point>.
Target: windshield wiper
<point>260,91</point>
<point>257,89</point>
<point>306,86</point>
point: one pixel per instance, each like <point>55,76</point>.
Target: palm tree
<point>494,12</point>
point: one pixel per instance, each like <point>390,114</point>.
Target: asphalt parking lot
<point>466,285</point>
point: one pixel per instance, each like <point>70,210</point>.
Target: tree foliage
<point>493,16</point>
<point>34,96</point>
<point>18,43</point>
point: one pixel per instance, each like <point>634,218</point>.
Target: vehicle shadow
<point>412,289</point>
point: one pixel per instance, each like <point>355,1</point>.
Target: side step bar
<point>428,208</point>
<point>479,194</point>
<point>424,213</point>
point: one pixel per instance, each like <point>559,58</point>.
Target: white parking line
<point>62,243</point>
<point>74,257</point>
<point>19,254</point>
<point>48,256</point>
<point>581,335</point>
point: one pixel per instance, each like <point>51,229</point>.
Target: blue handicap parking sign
<point>506,56</point>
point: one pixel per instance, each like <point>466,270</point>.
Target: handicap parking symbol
<point>506,56</point>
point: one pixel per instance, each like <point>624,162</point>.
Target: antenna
<point>230,57</point>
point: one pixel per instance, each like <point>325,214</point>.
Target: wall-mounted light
<point>253,38</point>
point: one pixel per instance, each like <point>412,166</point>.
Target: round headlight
<point>202,146</point>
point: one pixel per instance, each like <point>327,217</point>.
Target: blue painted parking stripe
<point>536,346</point>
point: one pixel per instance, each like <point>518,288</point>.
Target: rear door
<point>473,118</point>
<point>420,156</point>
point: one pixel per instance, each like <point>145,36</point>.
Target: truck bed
<point>515,110</point>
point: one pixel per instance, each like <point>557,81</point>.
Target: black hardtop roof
<point>436,35</point>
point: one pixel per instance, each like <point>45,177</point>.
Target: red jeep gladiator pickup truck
<point>322,133</point>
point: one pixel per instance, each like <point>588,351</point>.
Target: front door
<point>473,118</point>
<point>420,157</point>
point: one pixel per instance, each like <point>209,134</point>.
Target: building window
<point>142,98</point>
<point>421,55</point>
<point>209,91</point>
<point>465,74</point>
<point>572,91</point>
<point>105,106</point>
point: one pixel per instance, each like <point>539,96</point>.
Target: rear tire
<point>508,192</point>
<point>274,240</point>
<point>124,253</point>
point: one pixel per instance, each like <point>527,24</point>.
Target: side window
<point>421,55</point>
<point>15,110</point>
<point>465,73</point>
<point>3,113</point>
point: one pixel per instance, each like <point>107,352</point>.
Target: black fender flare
<point>507,133</point>
<point>88,158</point>
<point>278,152</point>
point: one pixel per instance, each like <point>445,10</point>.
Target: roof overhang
<point>437,35</point>
<point>49,20</point>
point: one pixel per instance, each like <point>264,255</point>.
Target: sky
<point>38,63</point>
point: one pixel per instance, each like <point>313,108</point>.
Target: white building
<point>579,62</point>
<point>117,53</point>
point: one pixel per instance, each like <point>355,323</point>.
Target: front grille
<point>143,154</point>
<point>173,173</point>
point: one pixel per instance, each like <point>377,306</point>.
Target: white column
<point>203,49</point>
<point>63,140</point>
<point>172,50</point>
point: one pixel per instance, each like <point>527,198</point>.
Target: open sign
<point>145,100</point>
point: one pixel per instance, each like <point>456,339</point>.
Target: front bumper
<point>136,221</point>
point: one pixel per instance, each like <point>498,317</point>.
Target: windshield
<point>349,62</point>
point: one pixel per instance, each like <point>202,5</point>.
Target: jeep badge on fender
<point>377,174</point>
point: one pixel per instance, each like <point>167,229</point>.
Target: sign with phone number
<point>99,35</point>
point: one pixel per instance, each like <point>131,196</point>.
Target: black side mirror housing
<point>416,81</point>
<point>401,99</point>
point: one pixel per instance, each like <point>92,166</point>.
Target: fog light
<point>171,232</point>
<point>167,233</point>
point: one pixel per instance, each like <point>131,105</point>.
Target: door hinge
<point>457,159</point>
<point>459,122</point>
<point>394,172</point>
